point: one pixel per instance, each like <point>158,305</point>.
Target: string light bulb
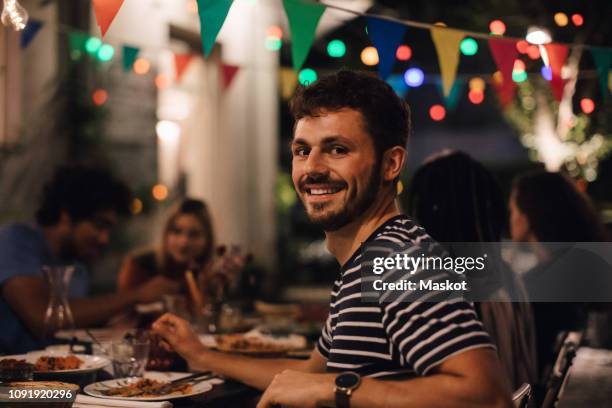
<point>14,15</point>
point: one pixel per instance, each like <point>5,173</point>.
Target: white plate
<point>90,363</point>
<point>199,388</point>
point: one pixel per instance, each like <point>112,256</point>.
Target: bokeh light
<point>561,19</point>
<point>497,27</point>
<point>159,192</point>
<point>587,105</point>
<point>414,77</point>
<point>106,52</point>
<point>336,48</point>
<point>137,206</point>
<point>577,19</point>
<point>99,97</point>
<point>92,45</point>
<point>274,31</point>
<point>519,65</point>
<point>141,66</point>
<point>522,46</point>
<point>307,76</point>
<point>533,52</point>
<point>161,81</point>
<point>519,76</point>
<point>437,112</point>
<point>468,46</point>
<point>369,56</point>
<point>477,84</point>
<point>476,96</point>
<point>403,53</point>
<point>273,43</point>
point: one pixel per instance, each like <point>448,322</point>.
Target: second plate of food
<point>153,386</point>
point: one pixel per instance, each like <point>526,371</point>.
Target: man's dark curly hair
<point>386,116</point>
<point>82,191</point>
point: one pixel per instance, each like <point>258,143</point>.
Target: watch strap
<point>342,398</point>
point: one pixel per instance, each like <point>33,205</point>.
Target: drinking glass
<point>58,315</point>
<point>130,356</point>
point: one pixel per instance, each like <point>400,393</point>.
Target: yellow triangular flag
<point>447,46</point>
<point>288,82</point>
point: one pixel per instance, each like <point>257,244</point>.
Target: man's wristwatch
<point>346,383</point>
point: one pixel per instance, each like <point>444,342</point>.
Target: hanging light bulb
<point>13,15</point>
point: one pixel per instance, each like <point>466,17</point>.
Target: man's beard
<point>355,206</point>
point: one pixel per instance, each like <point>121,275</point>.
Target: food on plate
<point>147,387</point>
<point>256,342</point>
<point>12,369</point>
<point>52,363</point>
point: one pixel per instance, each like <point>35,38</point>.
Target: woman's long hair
<point>199,210</point>
<point>457,200</point>
<point>556,210</point>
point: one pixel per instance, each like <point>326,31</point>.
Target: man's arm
<point>469,379</point>
<point>28,296</point>
<point>255,372</point>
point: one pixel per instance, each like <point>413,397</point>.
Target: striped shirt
<point>377,339</point>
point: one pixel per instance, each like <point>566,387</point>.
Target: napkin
<point>85,401</point>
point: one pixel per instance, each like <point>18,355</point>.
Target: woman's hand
<point>179,335</point>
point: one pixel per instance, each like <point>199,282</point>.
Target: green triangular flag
<point>212,16</point>
<point>452,100</point>
<point>129,56</point>
<point>303,20</point>
<point>77,40</point>
<point>603,60</point>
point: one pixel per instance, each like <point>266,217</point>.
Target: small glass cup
<point>130,356</point>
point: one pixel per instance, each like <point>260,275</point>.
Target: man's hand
<point>153,289</point>
<point>297,389</point>
<point>179,334</point>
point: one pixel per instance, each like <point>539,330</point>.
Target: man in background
<point>79,207</point>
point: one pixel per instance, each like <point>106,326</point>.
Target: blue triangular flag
<point>386,36</point>
<point>29,32</point>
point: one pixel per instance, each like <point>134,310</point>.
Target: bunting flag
<point>212,16</point>
<point>105,11</point>
<point>76,40</point>
<point>398,84</point>
<point>288,82</point>
<point>447,47</point>
<point>557,54</point>
<point>452,100</point>
<point>303,20</point>
<point>228,72</point>
<point>29,32</point>
<point>386,36</point>
<point>504,53</point>
<point>129,56</point>
<point>603,61</point>
<point>181,62</point>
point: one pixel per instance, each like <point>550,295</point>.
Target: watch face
<point>347,380</point>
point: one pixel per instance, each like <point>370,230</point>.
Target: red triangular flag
<point>105,11</point>
<point>228,72</point>
<point>181,62</point>
<point>504,53</point>
<point>557,54</point>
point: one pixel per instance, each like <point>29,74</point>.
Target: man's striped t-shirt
<point>398,338</point>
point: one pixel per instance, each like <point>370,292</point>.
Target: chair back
<point>561,368</point>
<point>522,396</point>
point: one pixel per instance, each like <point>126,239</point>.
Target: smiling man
<point>348,152</point>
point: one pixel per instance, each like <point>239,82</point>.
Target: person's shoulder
<point>403,231</point>
<point>16,234</point>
